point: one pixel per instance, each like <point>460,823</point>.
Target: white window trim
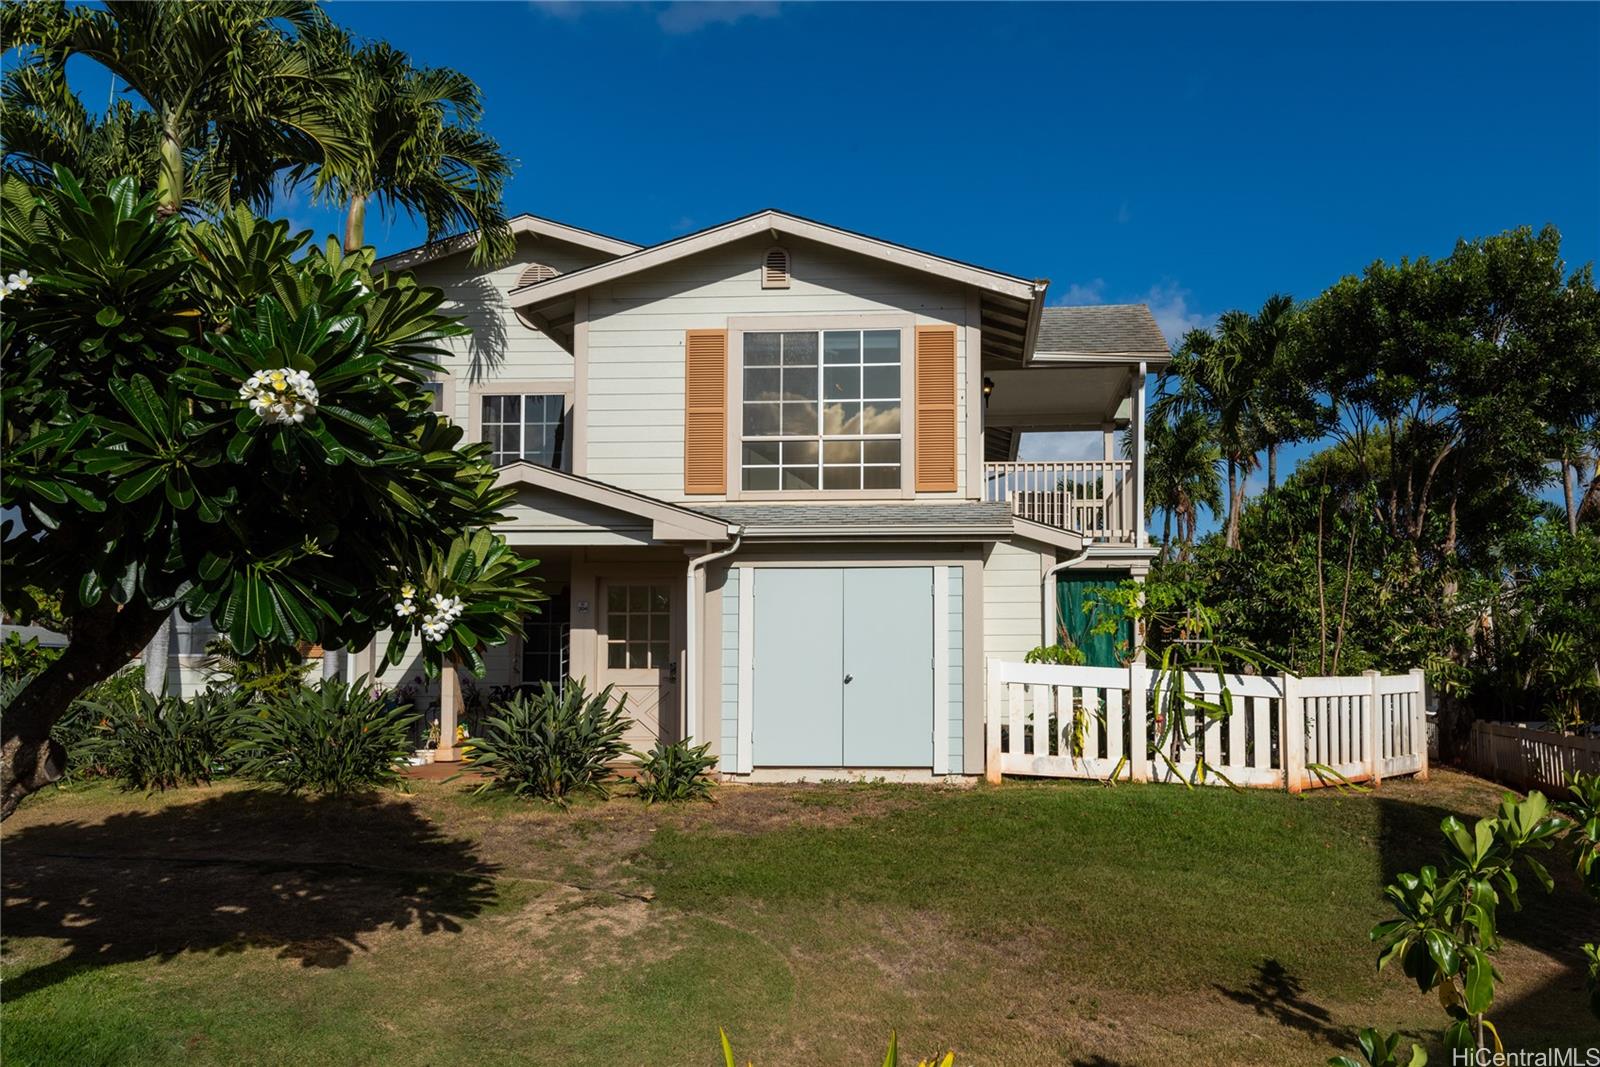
<point>535,387</point>
<point>738,327</point>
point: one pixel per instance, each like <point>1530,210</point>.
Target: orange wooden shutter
<point>705,411</point>
<point>936,423</point>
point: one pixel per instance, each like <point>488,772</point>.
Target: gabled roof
<point>1008,305</point>
<point>1101,331</point>
<point>669,522</point>
<point>521,224</point>
<point>780,222</point>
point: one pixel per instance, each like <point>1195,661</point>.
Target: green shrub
<point>1061,655</point>
<point>553,743</point>
<point>80,730</point>
<point>20,659</point>
<point>675,772</point>
<point>335,738</point>
<point>154,743</point>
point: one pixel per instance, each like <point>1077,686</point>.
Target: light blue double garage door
<point>843,667</point>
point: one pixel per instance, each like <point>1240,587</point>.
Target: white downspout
<point>691,652</point>
<point>1047,589</point>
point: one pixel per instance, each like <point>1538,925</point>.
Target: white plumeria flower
<point>282,395</point>
<point>19,280</point>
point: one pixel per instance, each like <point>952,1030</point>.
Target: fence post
<point>1292,735</point>
<point>1419,720</point>
<point>1369,731</point>
<point>991,720</point>
<point>1138,722</point>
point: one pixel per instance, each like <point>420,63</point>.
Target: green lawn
<point>1033,923</point>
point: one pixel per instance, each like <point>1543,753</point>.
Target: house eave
<point>777,222</point>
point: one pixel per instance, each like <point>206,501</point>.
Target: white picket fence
<point>1271,732</point>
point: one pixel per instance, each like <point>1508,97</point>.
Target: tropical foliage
<point>417,147</point>
<point>158,743</point>
<point>236,103</point>
<point>553,743</point>
<point>334,738</point>
<point>155,484</point>
<point>231,102</point>
<point>674,771</point>
<point>1444,396</point>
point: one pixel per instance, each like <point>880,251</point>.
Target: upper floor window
<point>521,426</point>
<point>821,410</point>
<point>435,389</point>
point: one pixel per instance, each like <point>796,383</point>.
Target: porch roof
<point>969,520</point>
<point>658,519</point>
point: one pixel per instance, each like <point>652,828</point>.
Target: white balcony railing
<point>1091,497</point>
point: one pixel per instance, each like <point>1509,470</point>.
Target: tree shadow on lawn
<point>1277,994</point>
<point>313,878</point>
<point>1543,997</point>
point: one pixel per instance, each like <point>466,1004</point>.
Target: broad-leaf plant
<point>216,418</point>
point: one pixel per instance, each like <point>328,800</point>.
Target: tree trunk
<point>169,178</point>
<point>1272,467</point>
<point>103,641</point>
<point>157,656</point>
<point>1166,533</point>
<point>355,224</point>
<point>1568,473</point>
<point>1230,532</point>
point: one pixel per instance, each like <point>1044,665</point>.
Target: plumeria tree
<point>216,419</point>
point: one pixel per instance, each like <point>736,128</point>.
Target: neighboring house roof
<point>1101,331</point>
<point>669,522</point>
<point>973,520</point>
<point>521,224</point>
<point>1010,304</point>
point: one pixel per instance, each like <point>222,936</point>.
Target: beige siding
<point>636,337</point>
<point>500,345</point>
<point>1012,605</point>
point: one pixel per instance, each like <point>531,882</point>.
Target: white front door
<point>641,638</point>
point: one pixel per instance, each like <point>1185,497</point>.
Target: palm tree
<point>234,100</point>
<point>46,125</point>
<point>418,150</point>
<point>1284,410</point>
<point>1214,375</point>
<point>1181,458</point>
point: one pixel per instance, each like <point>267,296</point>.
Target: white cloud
<point>1065,445</point>
<point>677,18</point>
<point>687,16</point>
<point>1169,303</point>
<point>1092,292</point>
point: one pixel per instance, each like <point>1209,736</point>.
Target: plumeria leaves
<point>131,454</point>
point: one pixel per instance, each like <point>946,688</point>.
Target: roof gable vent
<point>533,272</point>
<point>775,269</point>
<point>536,272</point>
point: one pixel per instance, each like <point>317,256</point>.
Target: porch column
<point>449,707</point>
<point>1140,538</point>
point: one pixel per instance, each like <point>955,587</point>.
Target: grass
<point>1033,923</point>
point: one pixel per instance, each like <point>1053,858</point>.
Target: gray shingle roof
<point>969,517</point>
<point>1108,329</point>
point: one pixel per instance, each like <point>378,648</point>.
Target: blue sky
<point>1195,157</point>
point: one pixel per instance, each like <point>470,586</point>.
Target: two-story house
<point>769,471</point>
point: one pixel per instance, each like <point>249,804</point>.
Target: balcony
<point>1095,498</point>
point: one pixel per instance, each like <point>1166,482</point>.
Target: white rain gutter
<point>1047,603</point>
<point>691,676</point>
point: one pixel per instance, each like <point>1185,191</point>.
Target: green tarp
<point>1100,650</point>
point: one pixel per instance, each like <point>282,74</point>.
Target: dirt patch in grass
<point>1034,923</point>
